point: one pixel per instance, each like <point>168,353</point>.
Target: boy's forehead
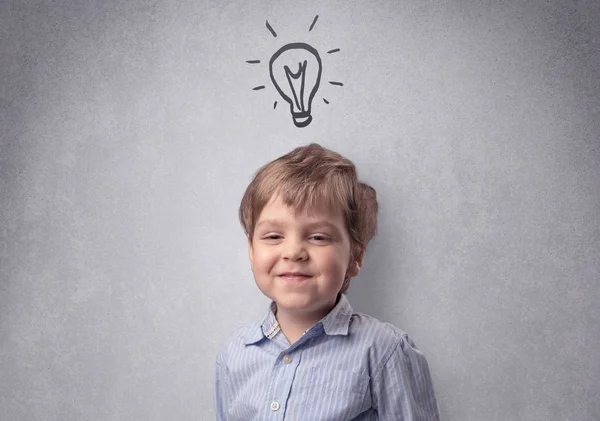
<point>276,209</point>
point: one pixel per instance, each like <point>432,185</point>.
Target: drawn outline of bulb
<point>295,71</point>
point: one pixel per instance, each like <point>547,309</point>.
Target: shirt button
<point>274,406</point>
<point>287,359</point>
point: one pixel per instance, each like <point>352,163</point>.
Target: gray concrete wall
<point>129,131</point>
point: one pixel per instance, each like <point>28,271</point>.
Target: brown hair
<point>309,175</point>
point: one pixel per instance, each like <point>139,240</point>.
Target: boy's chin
<point>303,306</point>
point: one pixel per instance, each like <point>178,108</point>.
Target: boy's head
<point>311,178</point>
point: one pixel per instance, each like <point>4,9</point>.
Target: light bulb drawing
<point>295,70</point>
<point>298,84</point>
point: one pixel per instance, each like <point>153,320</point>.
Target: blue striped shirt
<point>349,366</point>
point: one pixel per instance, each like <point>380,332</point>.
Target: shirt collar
<point>336,322</point>
<point>338,319</point>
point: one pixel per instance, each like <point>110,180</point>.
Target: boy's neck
<point>294,325</point>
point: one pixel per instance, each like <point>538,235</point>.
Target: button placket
<point>284,373</point>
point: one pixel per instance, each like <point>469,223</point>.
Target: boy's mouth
<point>294,276</point>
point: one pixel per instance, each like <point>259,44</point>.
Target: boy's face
<point>300,260</point>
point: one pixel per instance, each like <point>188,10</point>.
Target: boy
<point>308,221</point>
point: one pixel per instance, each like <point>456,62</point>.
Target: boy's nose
<point>294,250</point>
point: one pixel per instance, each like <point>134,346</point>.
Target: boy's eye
<point>272,237</point>
<point>320,238</point>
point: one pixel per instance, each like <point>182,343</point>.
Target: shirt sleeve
<point>402,389</point>
<point>221,390</point>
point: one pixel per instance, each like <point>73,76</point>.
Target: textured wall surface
<point>129,131</point>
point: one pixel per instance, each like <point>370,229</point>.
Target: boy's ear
<point>355,266</point>
<point>250,251</point>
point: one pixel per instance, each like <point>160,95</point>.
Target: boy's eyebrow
<point>276,222</point>
<point>311,225</point>
<point>323,224</point>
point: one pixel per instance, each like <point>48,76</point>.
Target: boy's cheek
<point>263,263</point>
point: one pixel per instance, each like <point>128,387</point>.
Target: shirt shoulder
<point>375,331</point>
<point>381,340</point>
<point>237,341</point>
<point>400,380</point>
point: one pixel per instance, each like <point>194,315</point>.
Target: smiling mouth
<point>294,277</point>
